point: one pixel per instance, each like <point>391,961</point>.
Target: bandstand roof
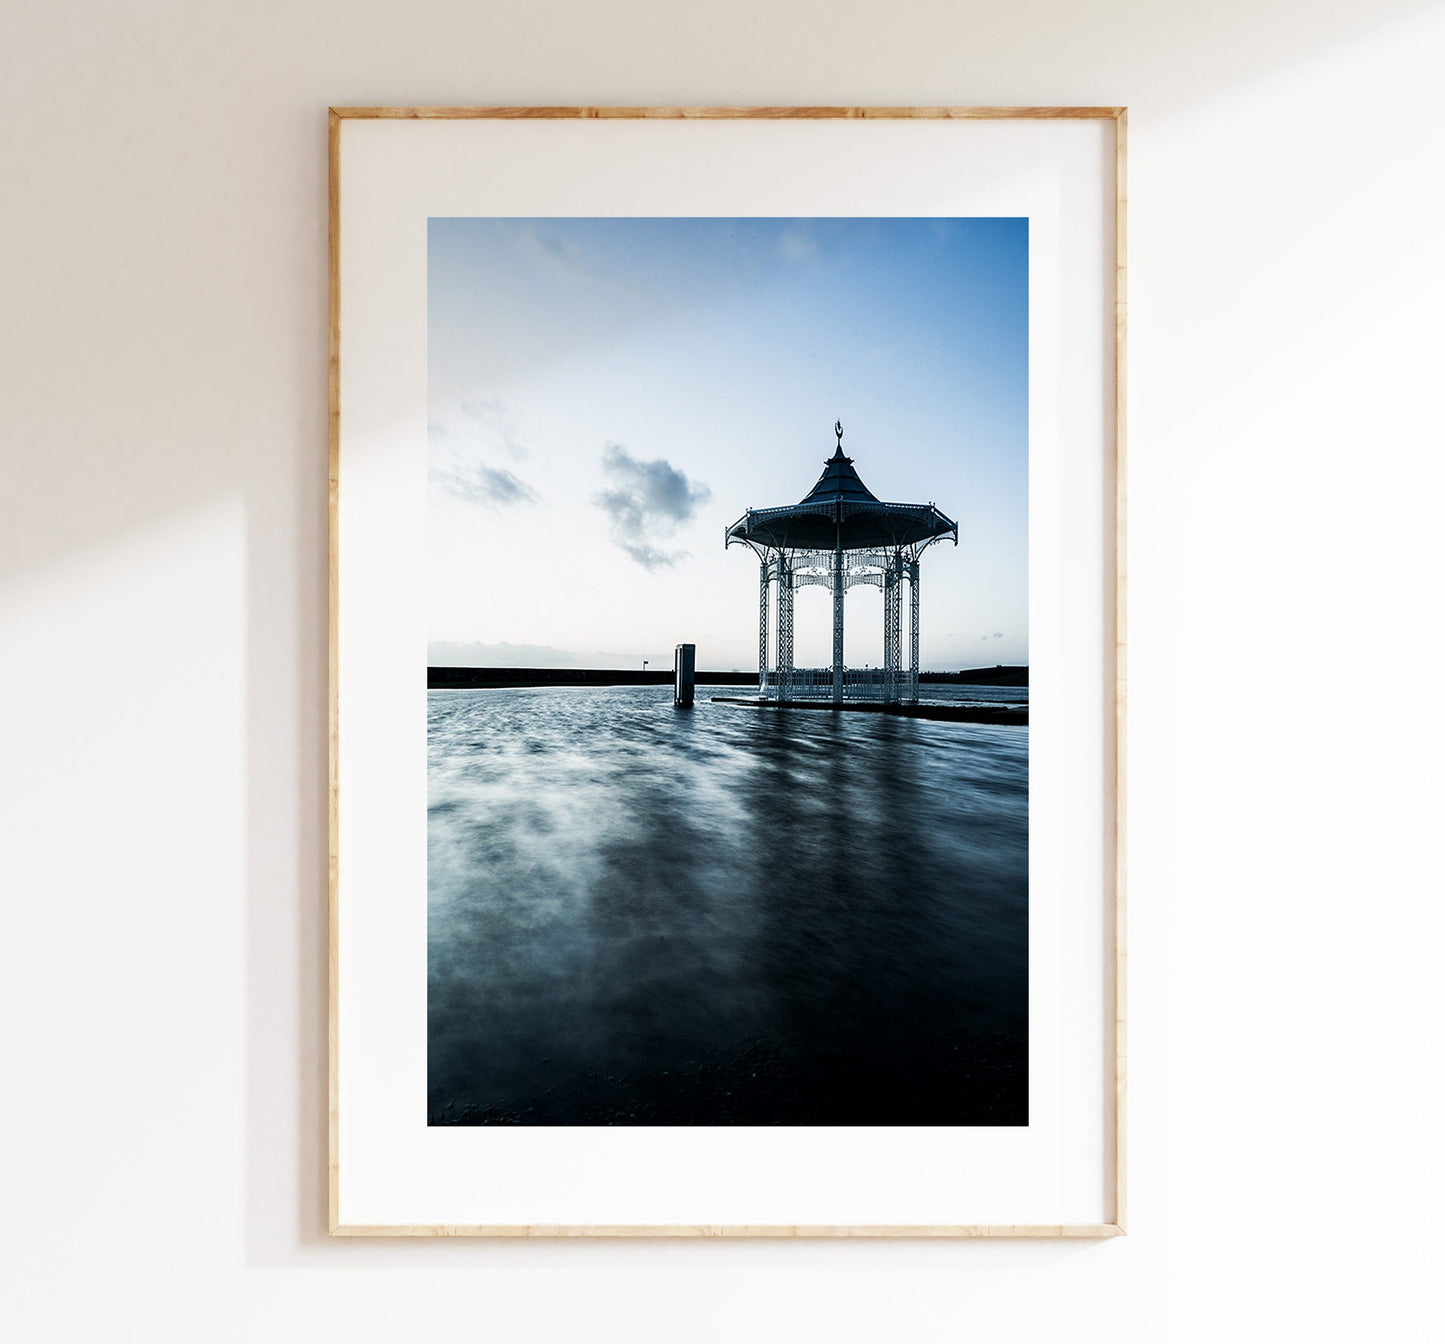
<point>841,512</point>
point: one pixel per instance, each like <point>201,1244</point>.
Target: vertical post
<point>838,594</point>
<point>684,674</point>
<point>888,582</point>
<point>785,627</point>
<point>913,631</point>
<point>892,640</point>
<point>763,628</point>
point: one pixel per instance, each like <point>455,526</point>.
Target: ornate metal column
<point>913,632</point>
<point>763,627</point>
<point>785,627</point>
<point>892,639</point>
<point>839,592</point>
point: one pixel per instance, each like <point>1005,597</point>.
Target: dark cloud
<point>477,483</point>
<point>647,502</point>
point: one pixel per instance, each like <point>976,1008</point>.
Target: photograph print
<point>727,604</point>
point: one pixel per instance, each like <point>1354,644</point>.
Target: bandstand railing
<point>859,683</point>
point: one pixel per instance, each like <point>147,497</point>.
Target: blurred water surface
<point>723,915</point>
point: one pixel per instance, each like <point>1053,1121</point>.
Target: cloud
<point>650,557</point>
<point>569,267</point>
<point>470,479</point>
<point>498,425</point>
<point>646,502</point>
<point>477,483</point>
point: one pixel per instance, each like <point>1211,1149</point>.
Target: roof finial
<point>838,430</point>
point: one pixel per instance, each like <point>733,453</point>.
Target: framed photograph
<point>727,710</point>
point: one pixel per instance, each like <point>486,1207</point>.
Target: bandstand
<point>839,536</point>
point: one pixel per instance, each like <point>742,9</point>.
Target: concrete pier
<point>1014,715</point>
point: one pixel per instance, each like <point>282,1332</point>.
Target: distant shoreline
<point>472,678</point>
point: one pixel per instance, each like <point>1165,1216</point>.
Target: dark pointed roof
<point>840,511</point>
<point>839,479</point>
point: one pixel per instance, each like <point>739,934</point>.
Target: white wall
<point>162,592</point>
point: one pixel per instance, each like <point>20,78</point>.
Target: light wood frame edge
<point>1120,117</point>
<point>760,1231</point>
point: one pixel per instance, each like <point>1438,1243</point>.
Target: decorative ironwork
<point>912,632</point>
<point>785,624</point>
<point>763,626</point>
<point>816,683</point>
<point>891,640</point>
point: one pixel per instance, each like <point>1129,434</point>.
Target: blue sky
<point>607,395</point>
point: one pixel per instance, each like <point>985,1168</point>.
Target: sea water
<point>723,915</point>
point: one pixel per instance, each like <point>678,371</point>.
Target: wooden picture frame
<point>1108,1227</point>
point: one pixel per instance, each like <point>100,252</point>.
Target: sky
<point>607,396</point>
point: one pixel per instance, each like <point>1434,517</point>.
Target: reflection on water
<point>723,915</point>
